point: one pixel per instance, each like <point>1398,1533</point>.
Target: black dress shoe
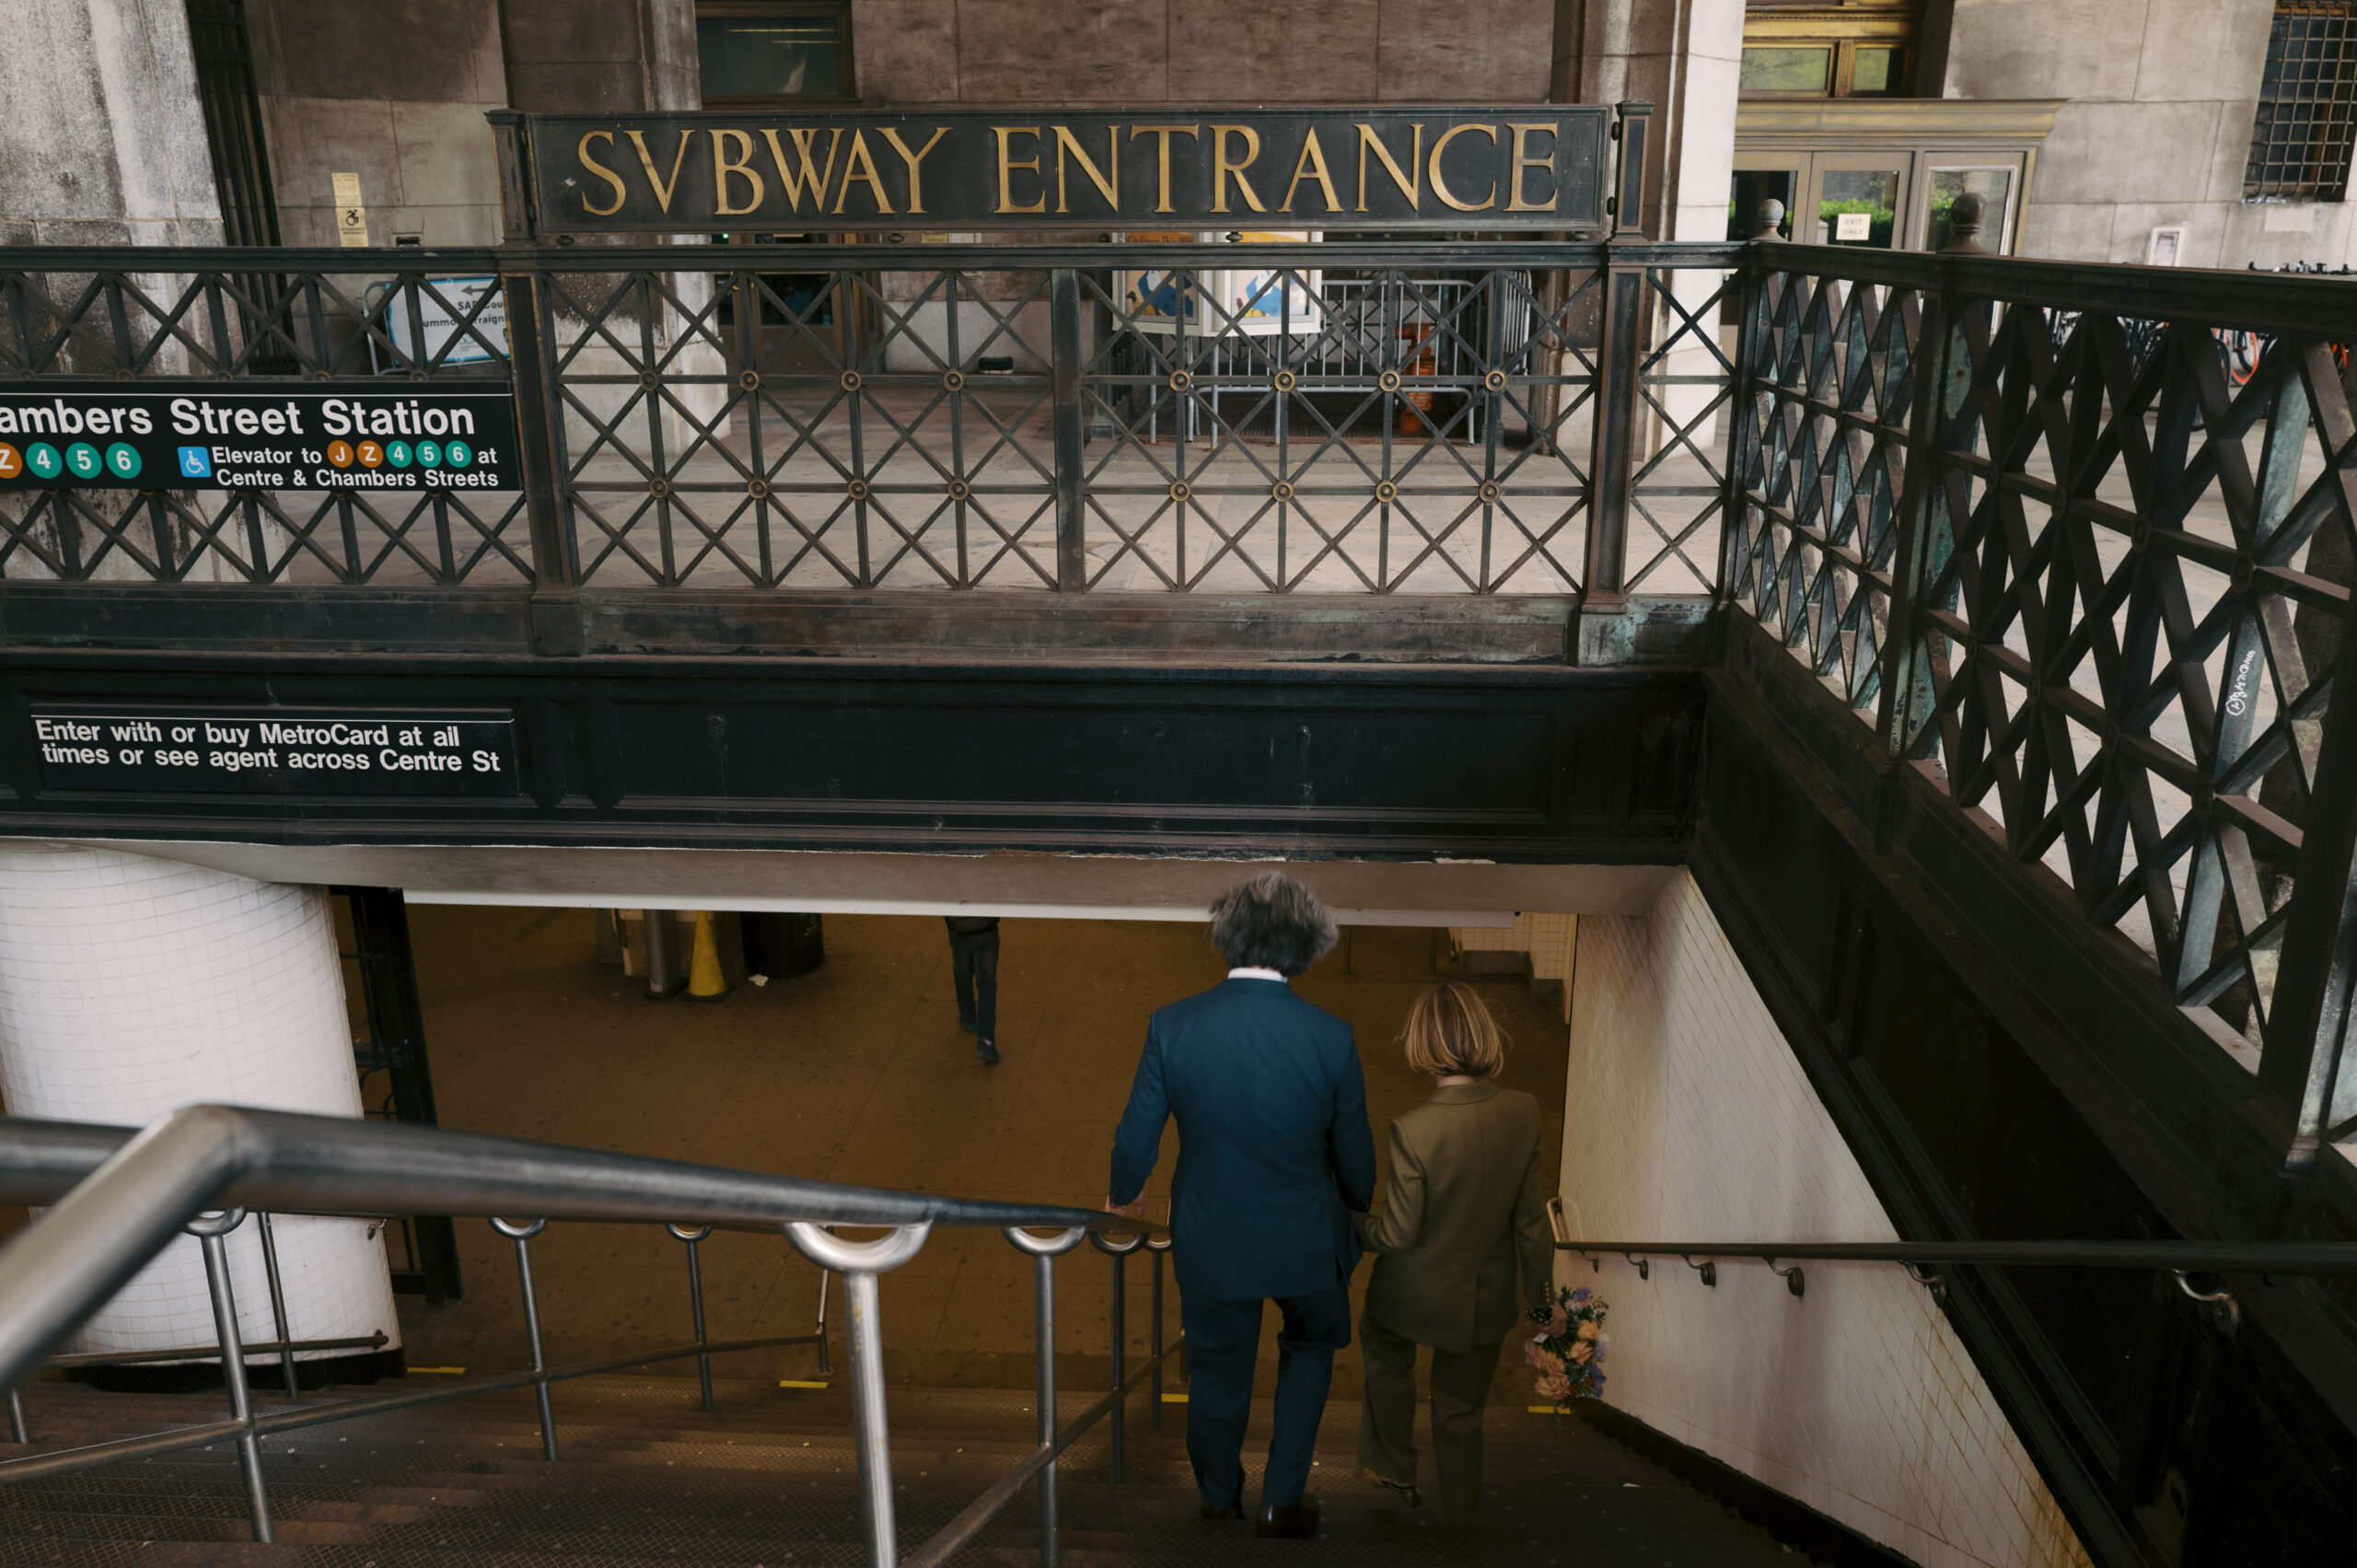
<point>1213,1511</point>
<point>1406,1490</point>
<point>1296,1523</point>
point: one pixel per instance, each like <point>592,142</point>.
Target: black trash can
<point>783,944</point>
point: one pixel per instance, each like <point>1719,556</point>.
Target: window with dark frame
<point>1830,48</point>
<point>755,53</point>
<point>2306,122</point>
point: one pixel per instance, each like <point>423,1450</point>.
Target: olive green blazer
<point>1464,1202</point>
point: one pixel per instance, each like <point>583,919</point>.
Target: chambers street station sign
<point>1541,166</point>
<point>259,436</point>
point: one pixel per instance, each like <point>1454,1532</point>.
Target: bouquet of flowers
<point>1568,1351</point>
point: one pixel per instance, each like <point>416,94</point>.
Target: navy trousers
<point>1222,1346</point>
<point>973,971</point>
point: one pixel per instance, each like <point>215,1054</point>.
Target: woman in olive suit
<point>1465,1207</point>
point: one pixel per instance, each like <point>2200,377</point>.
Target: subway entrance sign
<point>259,436</point>
<point>1528,167</point>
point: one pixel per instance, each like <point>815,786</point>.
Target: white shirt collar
<point>1250,973</point>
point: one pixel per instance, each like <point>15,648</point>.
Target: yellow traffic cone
<point>705,981</point>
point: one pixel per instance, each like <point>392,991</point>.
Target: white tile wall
<point>1546,938</point>
<point>1688,1117</point>
<point>130,987</point>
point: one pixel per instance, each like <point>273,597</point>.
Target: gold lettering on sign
<point>723,166</point>
<point>1440,186</point>
<point>1008,166</point>
<point>858,160</point>
<point>1163,134</point>
<point>1312,166</point>
<point>808,176</point>
<point>663,192</point>
<point>1222,168</point>
<point>1522,160</point>
<point>602,172</point>
<point>916,191</point>
<point>1410,179</point>
<point>1110,189</point>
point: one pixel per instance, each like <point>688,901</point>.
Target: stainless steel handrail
<point>2179,1259</point>
<point>2319,1257</point>
<point>115,1197</point>
<point>118,1197</point>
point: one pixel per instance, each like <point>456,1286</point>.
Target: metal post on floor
<point>212,1233</point>
<point>521,1234</point>
<point>277,1302</point>
<point>859,1263</point>
<point>1044,1251</point>
<point>665,974</point>
<point>16,1432</point>
<point>692,1235</point>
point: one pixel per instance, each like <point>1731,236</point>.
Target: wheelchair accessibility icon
<point>196,462</point>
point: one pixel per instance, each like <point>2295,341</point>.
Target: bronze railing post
<point>1063,336</point>
<point>1612,460</point>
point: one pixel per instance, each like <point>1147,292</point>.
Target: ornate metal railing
<point>1365,419</point>
<point>2100,590</point>
<point>117,1198</point>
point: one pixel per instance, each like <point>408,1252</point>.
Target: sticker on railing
<point>158,749</point>
<point>259,436</point>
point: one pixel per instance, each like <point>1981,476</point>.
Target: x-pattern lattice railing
<point>2027,519</point>
<point>1009,418</point>
<point>219,316</point>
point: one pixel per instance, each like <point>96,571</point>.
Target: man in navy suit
<point>1274,1154</point>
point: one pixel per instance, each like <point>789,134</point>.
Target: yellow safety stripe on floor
<point>800,1383</point>
<point>444,1371</point>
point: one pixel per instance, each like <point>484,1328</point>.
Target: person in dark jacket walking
<point>973,969</point>
<point>1274,1153</point>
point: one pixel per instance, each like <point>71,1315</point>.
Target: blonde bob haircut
<point>1450,1032</point>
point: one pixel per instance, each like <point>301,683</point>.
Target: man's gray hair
<point>1272,923</point>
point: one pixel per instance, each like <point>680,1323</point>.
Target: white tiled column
<point>130,987</point>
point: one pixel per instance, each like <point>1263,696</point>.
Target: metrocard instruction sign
<point>1540,167</point>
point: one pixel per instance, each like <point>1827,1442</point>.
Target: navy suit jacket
<point>1274,1143</point>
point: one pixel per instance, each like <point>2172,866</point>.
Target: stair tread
<point>769,1479</point>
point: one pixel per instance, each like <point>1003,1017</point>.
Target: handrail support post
<point>521,1234</point>
<point>211,1235</point>
<point>278,1290</point>
<point>1120,1345</point>
<point>1154,1412</point>
<point>859,1263</point>
<point>692,1235</point>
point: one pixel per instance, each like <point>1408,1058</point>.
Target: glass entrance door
<point>1859,199</point>
<point>1775,179</point>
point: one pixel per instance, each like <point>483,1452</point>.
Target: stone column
<point>103,142</point>
<point>1684,56</point>
<point>130,987</point>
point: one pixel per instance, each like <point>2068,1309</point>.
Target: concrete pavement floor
<point>856,1072</point>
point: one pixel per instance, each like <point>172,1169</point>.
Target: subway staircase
<point>766,1481</point>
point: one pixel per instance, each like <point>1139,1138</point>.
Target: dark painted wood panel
<point>1539,763</point>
